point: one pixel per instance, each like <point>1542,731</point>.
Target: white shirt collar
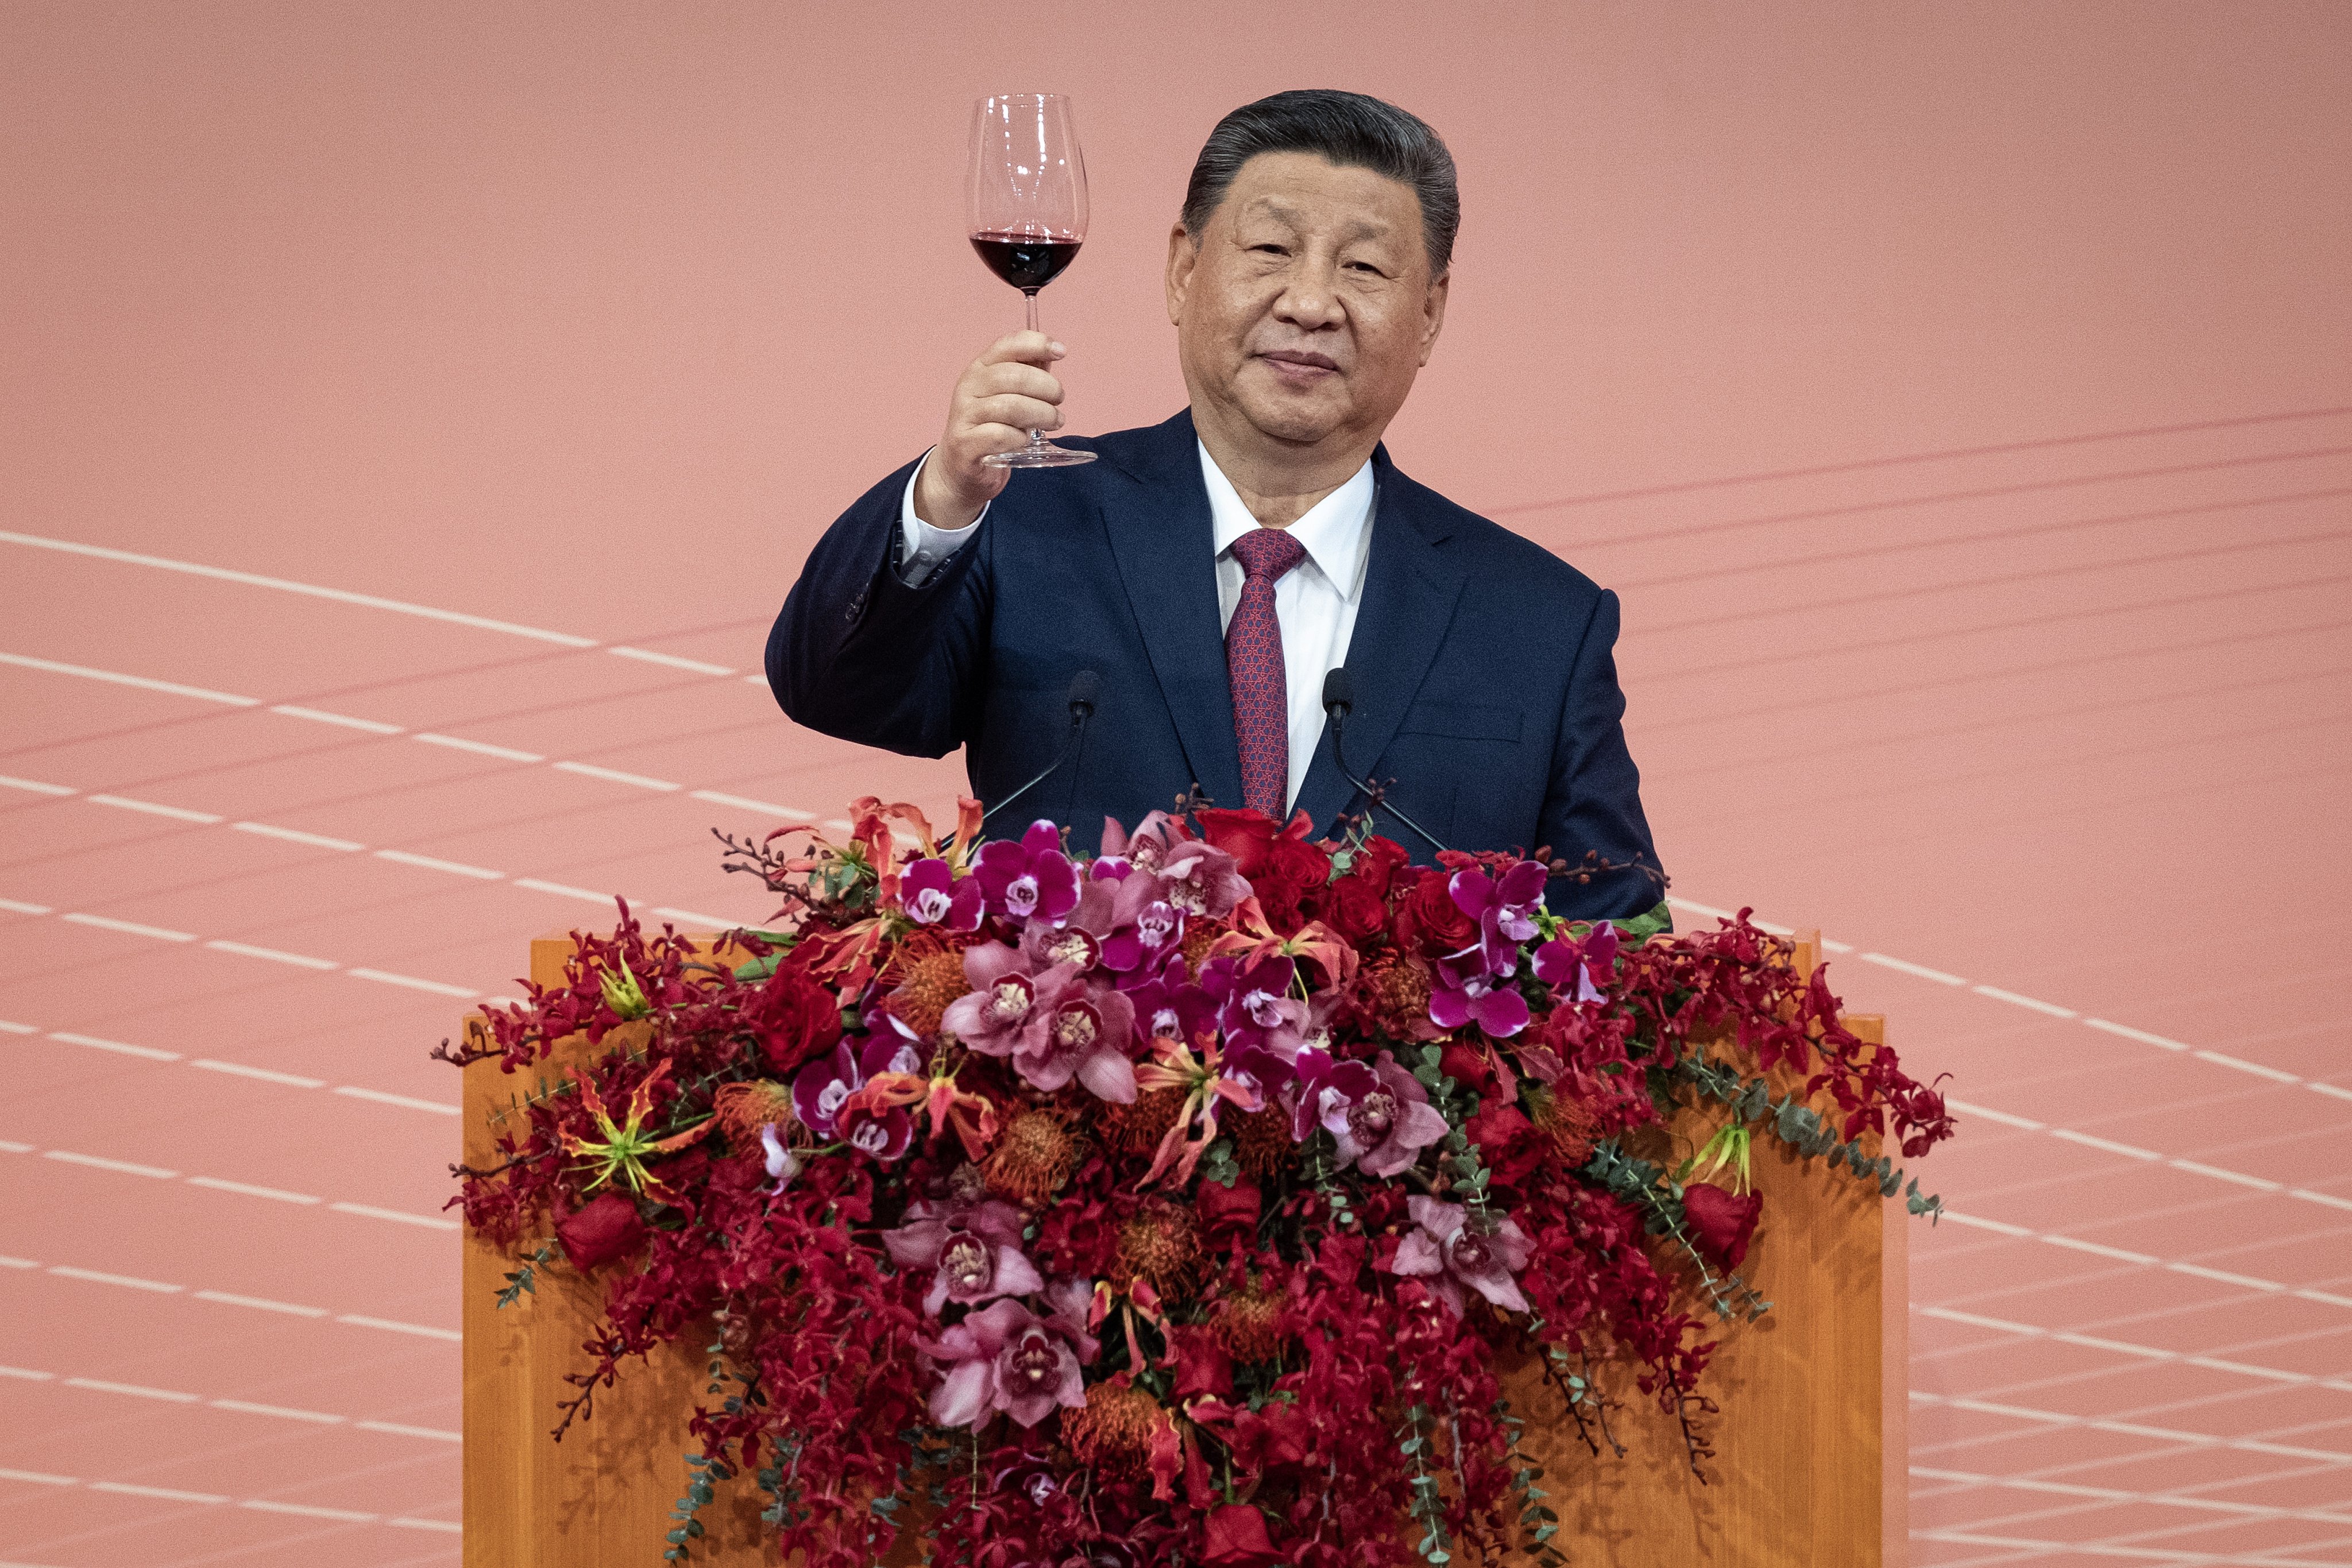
<point>1332,533</point>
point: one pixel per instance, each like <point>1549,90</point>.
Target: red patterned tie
<point>1254,664</point>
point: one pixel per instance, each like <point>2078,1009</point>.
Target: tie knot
<point>1267,552</point>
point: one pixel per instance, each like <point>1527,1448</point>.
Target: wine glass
<point>1027,212</point>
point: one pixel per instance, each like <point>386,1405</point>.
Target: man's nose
<point>1310,301</point>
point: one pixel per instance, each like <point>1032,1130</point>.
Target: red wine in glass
<point>1026,261</point>
<point>1027,215</point>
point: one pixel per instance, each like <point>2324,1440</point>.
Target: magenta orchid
<point>1255,1006</point>
<point>1029,880</point>
<point>1323,1091</point>
<point>1201,879</point>
<point>1469,990</point>
<point>1564,960</point>
<point>1167,1005</point>
<point>1504,910</point>
<point>972,1250</point>
<point>930,893</point>
<point>1450,1247</point>
<point>1384,1132</point>
<point>823,1088</point>
<point>1005,1357</point>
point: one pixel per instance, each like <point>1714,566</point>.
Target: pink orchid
<point>1081,1029</point>
<point>973,1251</point>
<point>1029,880</point>
<point>1201,879</point>
<point>1078,939</point>
<point>1145,849</point>
<point>1385,1132</point>
<point>1325,1092</point>
<point>1005,1357</point>
<point>1451,1249</point>
<point>1005,985</point>
<point>1255,1006</point>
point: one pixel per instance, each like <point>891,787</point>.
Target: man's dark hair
<point>1349,129</point>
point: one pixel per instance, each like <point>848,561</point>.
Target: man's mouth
<point>1299,364</point>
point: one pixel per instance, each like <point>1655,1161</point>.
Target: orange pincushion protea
<point>1113,1433</point>
<point>1034,1156</point>
<point>1398,994</point>
<point>1137,1129</point>
<point>1261,1144</point>
<point>1566,1121</point>
<point>927,971</point>
<point>1159,1243</point>
<point>1249,1325</point>
<point>743,1109</point>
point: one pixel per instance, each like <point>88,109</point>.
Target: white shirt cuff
<point>927,549</point>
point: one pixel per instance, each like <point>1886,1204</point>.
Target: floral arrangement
<point>1180,1205</point>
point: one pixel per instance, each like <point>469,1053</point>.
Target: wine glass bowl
<point>1026,215</point>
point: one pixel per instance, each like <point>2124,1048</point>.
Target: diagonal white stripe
<point>114,678</point>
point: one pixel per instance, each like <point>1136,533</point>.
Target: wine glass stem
<point>1036,438</point>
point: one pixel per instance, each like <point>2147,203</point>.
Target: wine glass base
<point>1041,455</point>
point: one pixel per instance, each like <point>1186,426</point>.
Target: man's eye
<point>1271,250</point>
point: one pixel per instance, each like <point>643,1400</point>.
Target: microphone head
<point>1085,689</point>
<point>1338,692</point>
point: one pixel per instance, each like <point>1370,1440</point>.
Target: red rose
<point>1434,920</point>
<point>1203,1370</point>
<point>601,1231</point>
<point>1228,1211</point>
<point>1720,1224</point>
<point>1237,1537</point>
<point>1467,1065</point>
<point>1243,835</point>
<point>1507,1141</point>
<point>1355,907</point>
<point>1380,862</point>
<point>797,1019</point>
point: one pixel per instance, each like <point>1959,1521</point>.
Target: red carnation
<point>600,1232</point>
<point>1237,1536</point>
<point>798,1020</point>
<point>1719,1223</point>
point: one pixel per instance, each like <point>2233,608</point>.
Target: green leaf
<point>1657,919</point>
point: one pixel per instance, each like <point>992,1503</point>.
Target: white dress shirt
<point>1315,601</point>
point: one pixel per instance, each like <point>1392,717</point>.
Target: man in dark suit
<point>1214,568</point>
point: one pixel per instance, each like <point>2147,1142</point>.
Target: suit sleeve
<point>858,654</point>
<point>1594,802</point>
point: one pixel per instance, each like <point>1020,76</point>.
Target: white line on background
<point>2142,1260</point>
<point>428,863</point>
<point>228,1299</point>
<point>283,585</point>
<point>160,933</point>
<point>178,813</point>
<point>113,677</point>
<point>2128,1428</point>
<point>320,716</point>
<point>240,1406</point>
<point>614,775</point>
<point>2123,1347</point>
<point>296,835</point>
<point>219,1499</point>
<point>234,1069</point>
<point>505,753</point>
<point>242,1189</point>
<point>1973,1480</point>
<point>700,666</point>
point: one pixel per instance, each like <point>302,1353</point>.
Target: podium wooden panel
<point>1808,1470</point>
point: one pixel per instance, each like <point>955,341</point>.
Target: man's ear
<point>1433,314</point>
<point>1183,254</point>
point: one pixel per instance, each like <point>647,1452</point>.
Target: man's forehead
<point>1303,190</point>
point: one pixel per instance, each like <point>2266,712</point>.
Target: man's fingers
<point>1026,348</point>
<point>988,438</point>
<point>1027,380</point>
<point>1029,413</point>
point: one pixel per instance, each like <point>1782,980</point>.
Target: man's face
<point>1307,307</point>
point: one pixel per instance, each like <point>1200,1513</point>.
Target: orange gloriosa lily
<point>1255,940</point>
<point>626,1147</point>
<point>1203,1080</point>
<point>949,1107</point>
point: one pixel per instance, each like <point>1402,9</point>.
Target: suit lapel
<point>1410,589</point>
<point>1156,512</point>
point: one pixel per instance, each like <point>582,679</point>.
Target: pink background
<point>1959,396</point>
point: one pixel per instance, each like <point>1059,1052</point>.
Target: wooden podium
<point>1809,1466</point>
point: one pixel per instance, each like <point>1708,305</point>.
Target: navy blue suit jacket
<point>1485,685</point>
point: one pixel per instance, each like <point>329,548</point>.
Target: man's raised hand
<point>1002,395</point>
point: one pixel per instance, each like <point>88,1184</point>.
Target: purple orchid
<point>930,893</point>
<point>1029,880</point>
<point>824,1087</point>
<point>1167,1005</point>
<point>1005,1357</point>
<point>1255,1006</point>
<point>1005,985</point>
<point>1561,960</point>
<point>1081,1030</point>
<point>1451,1248</point>
<point>782,1163</point>
<point>1504,910</point>
<point>1469,990</point>
<point>1145,849</point>
<point>1144,924</point>
<point>1324,1091</point>
<point>1384,1132</point>
<point>972,1251</point>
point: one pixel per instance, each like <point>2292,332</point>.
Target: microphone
<point>1085,691</point>
<point>1339,701</point>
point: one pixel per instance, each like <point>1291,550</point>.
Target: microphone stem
<point>1372,797</point>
